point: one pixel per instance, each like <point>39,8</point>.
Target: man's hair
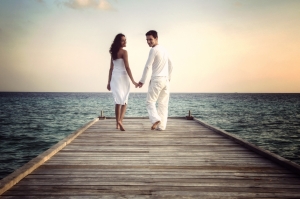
<point>153,33</point>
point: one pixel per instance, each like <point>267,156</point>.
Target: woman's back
<point>119,65</point>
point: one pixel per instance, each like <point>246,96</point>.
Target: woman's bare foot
<point>121,126</point>
<point>118,126</point>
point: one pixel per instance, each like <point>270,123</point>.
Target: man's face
<point>151,40</point>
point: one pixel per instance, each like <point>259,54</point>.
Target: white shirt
<point>159,61</point>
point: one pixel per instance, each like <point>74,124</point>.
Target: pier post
<point>189,117</point>
<point>102,117</point>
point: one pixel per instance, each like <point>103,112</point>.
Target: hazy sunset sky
<point>215,45</point>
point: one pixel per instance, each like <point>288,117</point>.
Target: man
<point>158,90</point>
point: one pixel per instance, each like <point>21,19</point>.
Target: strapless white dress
<point>120,83</point>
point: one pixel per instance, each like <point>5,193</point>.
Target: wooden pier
<point>189,160</point>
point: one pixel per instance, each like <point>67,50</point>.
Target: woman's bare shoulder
<point>123,51</point>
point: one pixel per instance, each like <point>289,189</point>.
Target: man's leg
<point>163,103</point>
<point>154,89</point>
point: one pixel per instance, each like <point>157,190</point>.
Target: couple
<point>158,90</point>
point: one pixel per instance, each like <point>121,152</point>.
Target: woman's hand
<point>108,86</point>
<point>135,84</point>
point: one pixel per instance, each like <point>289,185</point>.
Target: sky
<point>216,46</point>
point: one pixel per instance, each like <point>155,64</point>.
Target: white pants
<point>158,91</point>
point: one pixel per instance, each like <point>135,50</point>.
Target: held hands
<point>137,85</point>
<point>140,84</point>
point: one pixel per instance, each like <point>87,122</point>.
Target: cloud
<point>238,4</point>
<point>85,4</point>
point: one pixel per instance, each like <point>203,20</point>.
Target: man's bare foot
<point>155,125</point>
<point>121,126</point>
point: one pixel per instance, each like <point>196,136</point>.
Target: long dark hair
<point>115,46</point>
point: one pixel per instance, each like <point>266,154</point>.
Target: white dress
<point>120,84</point>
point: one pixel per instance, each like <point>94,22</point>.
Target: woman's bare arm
<point>125,58</point>
<point>110,73</point>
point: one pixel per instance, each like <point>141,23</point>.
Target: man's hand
<point>140,84</point>
<point>108,86</point>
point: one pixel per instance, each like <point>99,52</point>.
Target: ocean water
<point>30,123</point>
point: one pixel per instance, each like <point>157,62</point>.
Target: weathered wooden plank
<point>151,190</point>
<point>212,175</point>
<point>157,182</point>
<point>56,170</point>
<point>158,147</point>
<point>170,167</point>
<point>166,158</point>
<point>241,154</point>
<point>88,189</point>
<point>158,162</point>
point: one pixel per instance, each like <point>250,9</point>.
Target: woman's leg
<point>117,112</point>
<point>122,113</point>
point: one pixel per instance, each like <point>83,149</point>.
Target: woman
<point>118,80</point>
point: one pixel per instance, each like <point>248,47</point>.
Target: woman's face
<point>123,41</point>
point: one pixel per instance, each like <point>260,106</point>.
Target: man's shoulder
<point>153,50</point>
<point>158,48</point>
<point>162,50</point>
